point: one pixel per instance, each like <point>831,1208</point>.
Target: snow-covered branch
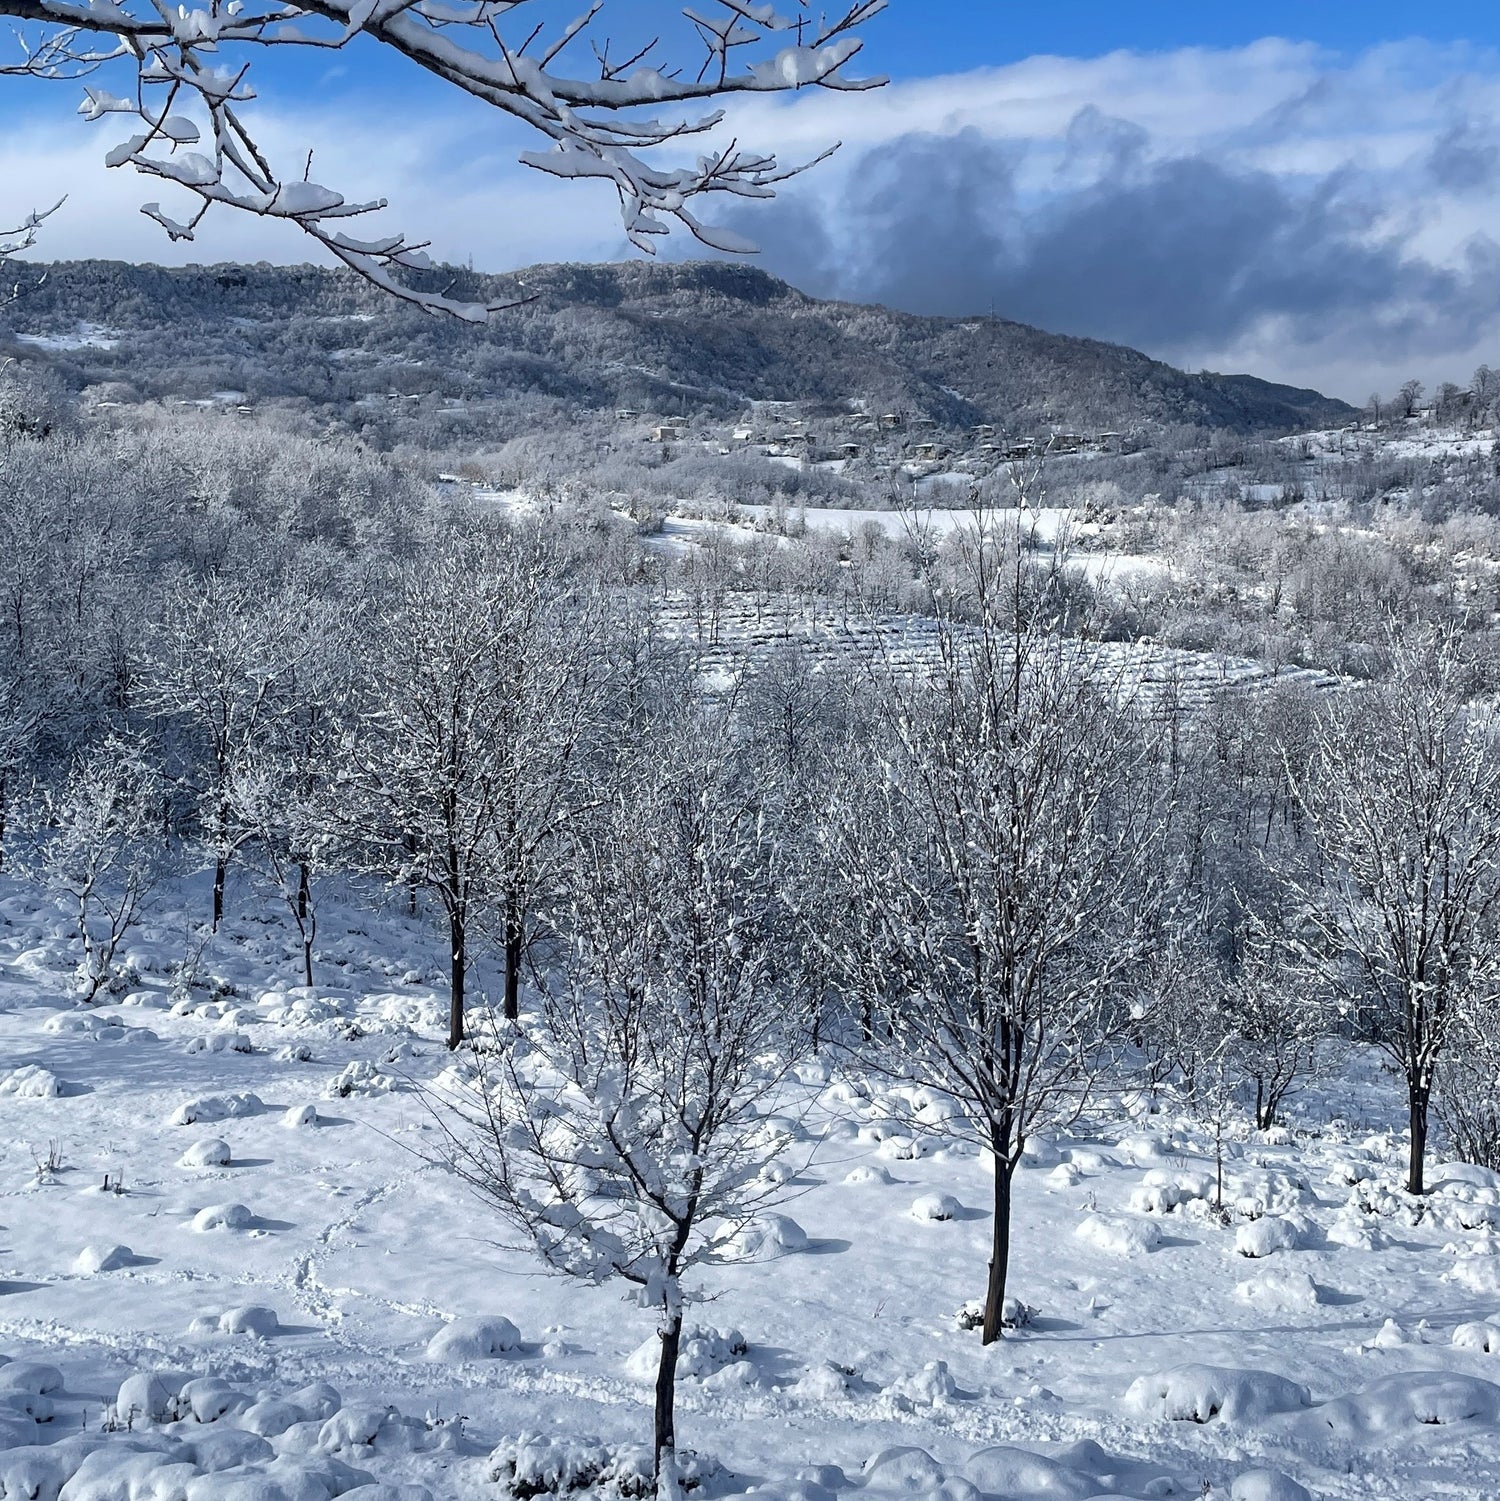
<point>192,65</point>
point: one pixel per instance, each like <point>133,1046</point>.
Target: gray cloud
<point>1180,256</point>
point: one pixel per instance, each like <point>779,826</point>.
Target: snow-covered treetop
<point>193,62</point>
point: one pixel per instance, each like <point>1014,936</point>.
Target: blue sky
<point>1305,189</point>
<point>952,35</point>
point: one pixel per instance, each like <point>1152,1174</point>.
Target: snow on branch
<point>624,118</point>
<point>22,237</point>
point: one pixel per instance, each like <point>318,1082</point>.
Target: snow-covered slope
<point>228,1270</point>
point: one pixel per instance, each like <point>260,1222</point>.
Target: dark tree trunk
<point>305,922</point>
<point>460,957</point>
<point>664,1451</point>
<point>1417,1099</point>
<point>994,1297</point>
<point>515,948</point>
<point>513,951</point>
<point>221,871</point>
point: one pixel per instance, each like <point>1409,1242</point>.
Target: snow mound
<point>1201,1393</point>
<point>1266,1485</point>
<point>1266,1236</point>
<point>215,1107</point>
<point>1081,1470</point>
<point>94,1259</point>
<point>936,1207</point>
<point>33,1377</point>
<point>737,1376</point>
<point>359,1078</point>
<point>822,1382</point>
<point>145,1397</point>
<point>1160,1191</point>
<point>30,1082</point>
<point>1040,1152</point>
<point>210,1152</point>
<point>1120,1237</point>
<point>298,1116</point>
<point>223,1217</point>
<point>1143,1148</point>
<point>535,1464</point>
<point>253,1319</point>
<point>1390,1336</point>
<point>867,1174</point>
<point>932,1386</point>
<point>1485,1338</point>
<point>224,1041</point>
<point>1394,1407</point>
<point>1357,1232</point>
<point>473,1339</point>
<point>702,1352</point>
<point>1281,1292</point>
<point>764,1238</point>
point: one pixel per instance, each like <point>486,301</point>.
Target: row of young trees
<point>993,867</point>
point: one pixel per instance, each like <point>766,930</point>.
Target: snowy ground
<point>1162,1358</point>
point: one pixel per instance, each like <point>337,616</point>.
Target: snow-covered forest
<point>514,984</point>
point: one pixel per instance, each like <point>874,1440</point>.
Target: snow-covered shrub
<point>1267,1235</point>
<point>1120,1237</point>
<point>359,1078</point>
<point>94,1259</point>
<point>252,1319</point>
<point>932,1386</point>
<point>210,1152</point>
<point>1201,1393</point>
<point>704,1351</point>
<point>473,1339</point>
<point>1266,1485</point>
<point>1279,1291</point>
<point>223,1217</point>
<point>765,1237</point>
<point>936,1207</point>
<point>544,1465</point>
<point>30,1082</point>
<point>215,1107</point>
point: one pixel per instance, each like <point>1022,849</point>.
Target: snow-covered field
<point>737,631</point>
<point>227,1270</point>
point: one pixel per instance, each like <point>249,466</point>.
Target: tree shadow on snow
<point>827,1246</point>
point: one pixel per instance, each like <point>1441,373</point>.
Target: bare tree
<point>481,694</point>
<point>282,789</point>
<point>214,668</point>
<point>190,92</point>
<point>95,840</point>
<point>1403,794</point>
<point>999,847</point>
<point>621,1129</point>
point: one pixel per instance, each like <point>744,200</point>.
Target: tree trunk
<point>1417,1098</point>
<point>221,871</point>
<point>305,922</point>
<point>994,1297</point>
<point>664,1451</point>
<point>514,949</point>
<point>460,958</point>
